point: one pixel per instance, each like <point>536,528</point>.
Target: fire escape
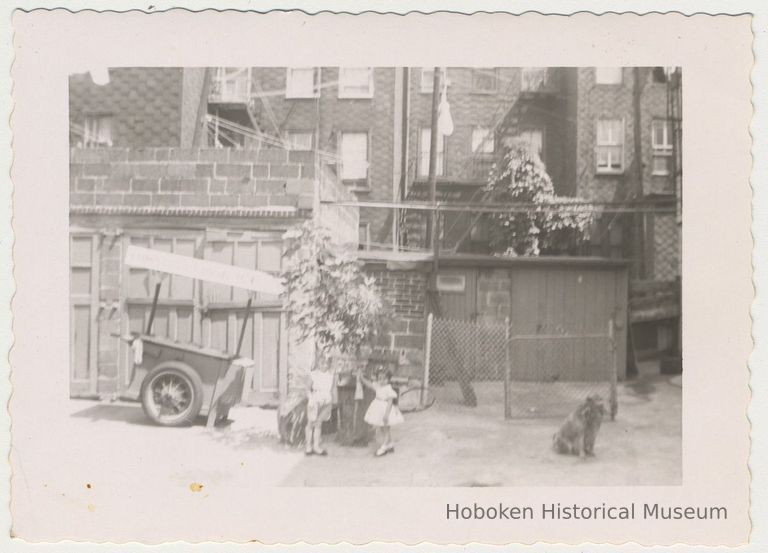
<point>540,92</point>
<point>231,99</point>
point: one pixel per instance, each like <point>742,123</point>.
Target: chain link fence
<point>491,367</point>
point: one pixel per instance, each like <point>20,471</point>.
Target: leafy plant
<point>553,224</point>
<point>328,296</point>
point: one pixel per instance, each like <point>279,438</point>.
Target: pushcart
<point>177,382</point>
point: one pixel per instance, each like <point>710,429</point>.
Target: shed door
<point>457,291</point>
<point>83,314</point>
<point>265,339</point>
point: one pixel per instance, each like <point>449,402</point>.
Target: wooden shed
<point>571,297</point>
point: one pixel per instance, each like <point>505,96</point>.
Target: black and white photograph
<point>288,278</point>
<point>380,276</point>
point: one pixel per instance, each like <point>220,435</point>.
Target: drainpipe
<point>638,220</point>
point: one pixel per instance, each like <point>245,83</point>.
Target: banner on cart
<point>210,271</point>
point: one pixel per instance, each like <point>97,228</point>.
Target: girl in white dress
<point>383,413</point>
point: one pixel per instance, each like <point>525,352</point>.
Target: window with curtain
<point>533,79</point>
<point>661,137</point>
<point>354,155</point>
<point>355,82</point>
<point>97,131</point>
<point>610,146</point>
<point>302,82</point>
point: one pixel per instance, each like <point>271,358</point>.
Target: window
<point>661,139</point>
<point>424,145</point>
<point>483,141</point>
<point>533,140</point>
<point>299,140</point>
<point>534,79</point>
<point>663,74</point>
<point>610,146</point>
<point>302,82</point>
<point>354,156</point>
<point>355,82</point>
<point>451,283</point>
<point>608,75</point>
<point>485,79</point>
<point>427,79</point>
<point>231,85</point>
<point>364,236</point>
<point>97,131</point>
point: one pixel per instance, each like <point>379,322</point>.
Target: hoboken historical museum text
<point>574,511</point>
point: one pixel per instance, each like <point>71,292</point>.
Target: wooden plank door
<point>84,310</point>
<point>178,314</point>
<point>265,339</point>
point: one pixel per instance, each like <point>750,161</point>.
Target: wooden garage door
<point>211,314</point>
<point>265,338</point>
<point>83,314</point>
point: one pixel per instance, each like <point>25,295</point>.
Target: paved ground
<point>447,445</point>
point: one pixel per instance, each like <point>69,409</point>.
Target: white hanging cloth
<point>444,119</point>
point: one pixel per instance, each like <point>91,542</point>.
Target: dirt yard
<point>446,445</point>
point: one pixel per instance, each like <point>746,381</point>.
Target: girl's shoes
<point>384,449</point>
<point>321,453</point>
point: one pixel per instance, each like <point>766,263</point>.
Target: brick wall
<point>333,115</point>
<point>616,102</point>
<point>469,109</point>
<point>193,178</point>
<point>406,332</point>
<point>144,103</point>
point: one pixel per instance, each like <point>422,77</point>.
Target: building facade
<point>217,163</point>
<point>142,180</point>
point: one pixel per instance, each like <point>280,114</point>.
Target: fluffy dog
<point>578,433</point>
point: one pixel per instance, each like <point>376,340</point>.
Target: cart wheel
<point>172,395</point>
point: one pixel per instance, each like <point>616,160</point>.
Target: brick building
<point>218,162</point>
<point>140,107</point>
<point>626,120</point>
<point>141,174</point>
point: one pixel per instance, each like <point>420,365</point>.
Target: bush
<point>549,226</point>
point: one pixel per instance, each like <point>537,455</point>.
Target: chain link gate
<point>490,366</point>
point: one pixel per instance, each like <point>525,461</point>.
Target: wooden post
<point>245,324</point>
<point>614,369</point>
<point>153,310</point>
<point>427,352</point>
<point>507,369</point>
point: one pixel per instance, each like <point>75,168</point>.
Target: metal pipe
<point>245,324</point>
<point>154,309</point>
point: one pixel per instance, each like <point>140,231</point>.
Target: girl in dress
<point>383,413</point>
<point>320,400</point>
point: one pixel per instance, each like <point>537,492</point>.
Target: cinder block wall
<point>173,178</point>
